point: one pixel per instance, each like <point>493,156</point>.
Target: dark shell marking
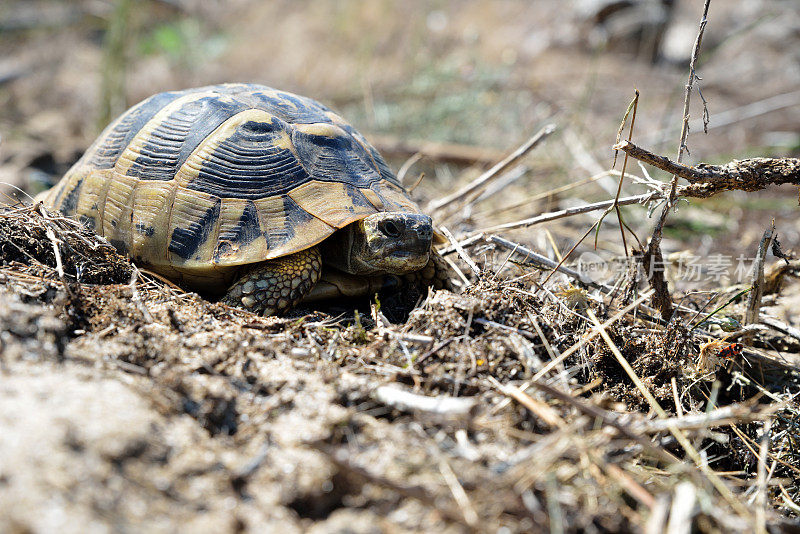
<point>248,164</point>
<point>203,180</point>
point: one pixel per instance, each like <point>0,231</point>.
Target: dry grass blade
<point>461,252</point>
<point>571,212</point>
<point>683,509</point>
<point>459,495</point>
<point>679,436</point>
<point>406,166</point>
<point>486,178</point>
<point>631,486</point>
<point>622,226</point>
<point>463,243</point>
<point>761,480</point>
<point>541,410</point>
<point>456,269</point>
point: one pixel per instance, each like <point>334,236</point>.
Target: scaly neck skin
<point>344,251</point>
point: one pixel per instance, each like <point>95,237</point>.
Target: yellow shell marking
<point>284,233</point>
<point>373,198</point>
<point>93,193</point>
<point>150,220</point>
<point>132,151</point>
<point>393,197</point>
<point>189,208</point>
<point>234,252</point>
<point>117,211</point>
<point>315,197</point>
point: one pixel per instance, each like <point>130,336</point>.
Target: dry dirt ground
<point>129,405</point>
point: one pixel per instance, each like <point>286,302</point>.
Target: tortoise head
<point>386,242</point>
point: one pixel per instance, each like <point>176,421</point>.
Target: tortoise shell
<point>195,183</point>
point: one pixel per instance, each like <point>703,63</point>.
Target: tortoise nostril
<point>389,228</point>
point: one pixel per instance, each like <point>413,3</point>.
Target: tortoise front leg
<point>436,273</point>
<point>274,286</point>
<point>335,284</point>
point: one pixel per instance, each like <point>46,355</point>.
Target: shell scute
<point>336,203</point>
<point>248,157</point>
<point>192,227</point>
<point>151,201</point>
<point>118,135</point>
<point>329,153</point>
<point>240,235</point>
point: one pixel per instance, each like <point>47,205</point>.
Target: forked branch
<point>705,180</point>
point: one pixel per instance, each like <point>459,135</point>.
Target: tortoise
<point>260,196</point>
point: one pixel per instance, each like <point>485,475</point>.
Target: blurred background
<point>460,83</point>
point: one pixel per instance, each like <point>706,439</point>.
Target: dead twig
<point>405,401</point>
<point>757,278</point>
<point>540,409</point>
<point>726,415</point>
<point>753,174</point>
<point>484,179</point>
<point>781,327</point>
<point>461,252</point>
<point>652,258</point>
<point>529,257</point>
<point>571,212</point>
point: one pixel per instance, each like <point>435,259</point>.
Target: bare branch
<point>485,178</point>
<point>652,255</point>
<point>661,162</point>
<point>751,174</point>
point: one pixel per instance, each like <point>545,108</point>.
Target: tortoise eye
<point>389,228</point>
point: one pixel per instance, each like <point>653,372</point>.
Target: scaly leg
<point>274,286</point>
<point>436,273</point>
<point>336,284</point>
